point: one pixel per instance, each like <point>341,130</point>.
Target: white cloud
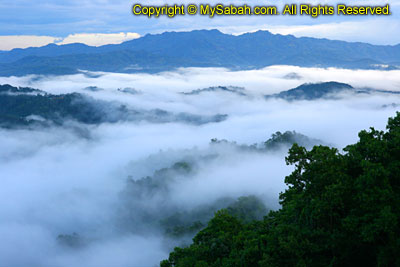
<point>55,182</point>
<point>8,42</point>
<point>379,31</point>
<point>98,39</point>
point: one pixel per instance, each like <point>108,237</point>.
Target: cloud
<point>55,182</point>
<point>98,39</point>
<point>9,42</point>
<point>379,31</point>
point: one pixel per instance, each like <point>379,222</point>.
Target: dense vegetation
<point>146,202</point>
<point>340,209</point>
<point>27,106</point>
<point>18,104</point>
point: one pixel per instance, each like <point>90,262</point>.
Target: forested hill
<point>325,90</point>
<point>24,106</point>
<point>200,48</point>
<point>312,91</point>
<point>340,209</point>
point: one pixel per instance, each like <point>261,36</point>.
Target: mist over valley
<point>111,169</point>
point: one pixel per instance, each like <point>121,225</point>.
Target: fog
<point>57,181</point>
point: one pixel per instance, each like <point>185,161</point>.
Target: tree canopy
<point>340,209</point>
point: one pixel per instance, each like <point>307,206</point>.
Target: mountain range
<point>201,48</point>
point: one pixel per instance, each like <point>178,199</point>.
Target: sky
<point>26,23</point>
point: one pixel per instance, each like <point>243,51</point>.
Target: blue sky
<point>62,18</point>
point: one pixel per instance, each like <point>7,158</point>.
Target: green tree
<point>340,209</point>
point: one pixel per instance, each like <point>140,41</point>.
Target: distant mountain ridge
<point>314,91</point>
<point>230,89</point>
<point>200,48</point>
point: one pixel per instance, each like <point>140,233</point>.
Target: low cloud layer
<point>54,182</point>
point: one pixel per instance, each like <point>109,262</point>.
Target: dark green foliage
<point>247,209</point>
<point>288,138</point>
<point>339,210</point>
<point>183,230</point>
